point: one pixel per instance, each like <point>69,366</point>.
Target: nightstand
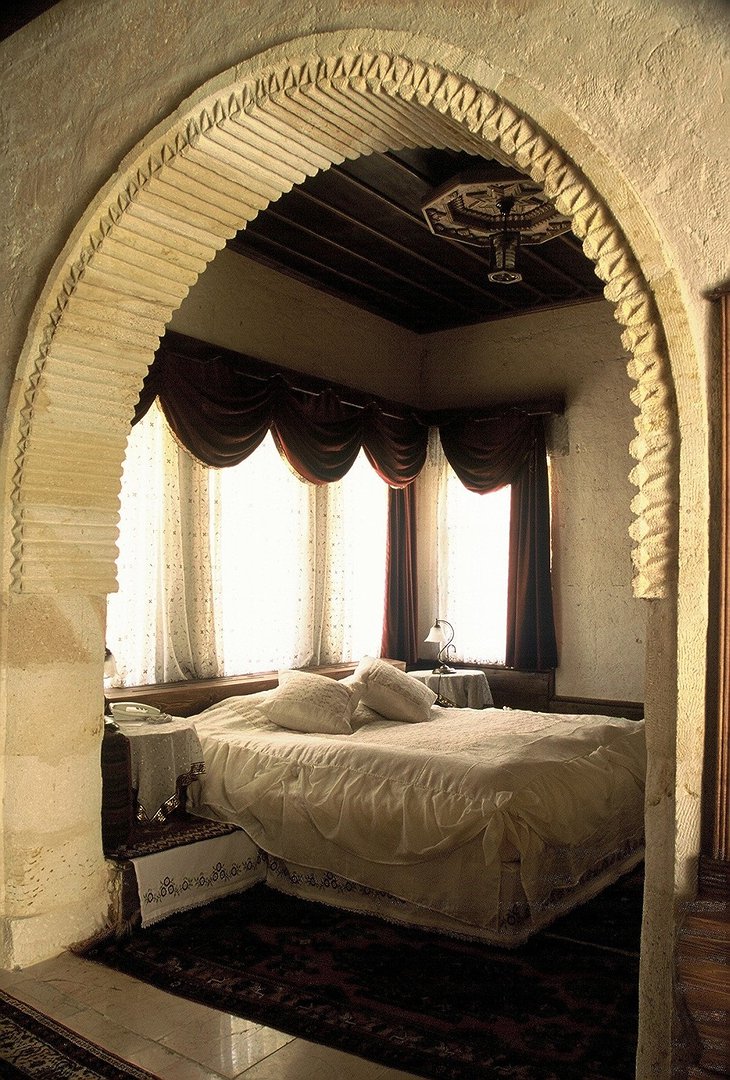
<point>468,688</point>
<point>164,759</point>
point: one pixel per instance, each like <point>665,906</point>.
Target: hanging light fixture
<point>496,208</point>
<point>505,245</point>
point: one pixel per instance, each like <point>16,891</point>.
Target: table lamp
<point>437,635</point>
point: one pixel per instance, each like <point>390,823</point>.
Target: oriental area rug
<point>561,1007</point>
<point>35,1047</point>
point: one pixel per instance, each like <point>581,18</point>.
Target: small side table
<point>164,759</point>
<point>468,689</point>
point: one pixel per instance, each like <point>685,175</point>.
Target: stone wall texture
<point>112,114</point>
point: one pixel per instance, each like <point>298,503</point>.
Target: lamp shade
<point>443,639</point>
<point>436,634</point>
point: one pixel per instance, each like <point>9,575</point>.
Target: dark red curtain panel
<point>401,596</point>
<point>487,454</point>
<point>317,434</point>
<point>395,446</point>
<point>531,644</point>
<point>217,412</point>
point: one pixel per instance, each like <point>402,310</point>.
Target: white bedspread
<point>561,793</point>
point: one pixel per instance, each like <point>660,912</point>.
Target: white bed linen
<point>431,812</point>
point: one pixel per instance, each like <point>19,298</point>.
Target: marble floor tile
<point>172,1037</point>
<point>225,1049</point>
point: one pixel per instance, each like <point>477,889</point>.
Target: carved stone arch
<point>156,226</point>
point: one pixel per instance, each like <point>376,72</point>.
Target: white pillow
<point>304,701</point>
<point>391,692</point>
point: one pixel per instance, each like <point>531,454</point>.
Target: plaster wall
<point>640,80</point>
<point>245,306</point>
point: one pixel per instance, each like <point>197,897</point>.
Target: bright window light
<point>473,569</point>
<point>263,562</point>
<point>132,611</point>
<point>357,514</point>
<point>250,568</point>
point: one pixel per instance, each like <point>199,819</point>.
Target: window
<point>463,553</point>
<point>299,569</point>
<point>262,556</point>
<point>223,572</point>
<point>250,568</point>
<point>473,558</point>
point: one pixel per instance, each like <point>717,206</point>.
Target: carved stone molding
<point>193,188</point>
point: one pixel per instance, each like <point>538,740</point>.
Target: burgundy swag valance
<point>221,413</point>
<point>221,406</point>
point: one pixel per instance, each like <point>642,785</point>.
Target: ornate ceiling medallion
<point>497,208</point>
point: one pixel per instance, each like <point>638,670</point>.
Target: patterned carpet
<point>561,1007</point>
<point>34,1047</point>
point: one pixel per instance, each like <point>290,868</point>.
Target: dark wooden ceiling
<point>357,231</point>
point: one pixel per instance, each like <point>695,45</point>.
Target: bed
<point>367,795</point>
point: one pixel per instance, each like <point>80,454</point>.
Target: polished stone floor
<point>176,1039</point>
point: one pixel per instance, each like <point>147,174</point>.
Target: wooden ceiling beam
<point>350,253</point>
<point>465,250</point>
<point>356,231</point>
<point>438,268</point>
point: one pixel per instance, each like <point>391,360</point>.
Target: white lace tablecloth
<point>164,758</point>
<point>466,689</point>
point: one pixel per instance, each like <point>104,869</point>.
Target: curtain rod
<point>428,417</point>
<point>291,377</point>
<point>543,407</point>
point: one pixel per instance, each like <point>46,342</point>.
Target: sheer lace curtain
<point>467,583</point>
<point>160,624</point>
<point>353,516</point>
<point>242,569</point>
<point>263,555</point>
<point>299,569</point>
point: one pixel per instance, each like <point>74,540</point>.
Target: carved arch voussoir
<point>94,275</point>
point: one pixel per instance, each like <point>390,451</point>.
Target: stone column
<point>54,878</point>
<point>704,940</point>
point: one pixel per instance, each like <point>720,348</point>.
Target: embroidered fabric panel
<point>195,874</point>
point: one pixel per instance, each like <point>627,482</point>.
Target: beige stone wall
<point>629,89</point>
<point>633,83</point>
<point>242,305</point>
<point>55,884</point>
